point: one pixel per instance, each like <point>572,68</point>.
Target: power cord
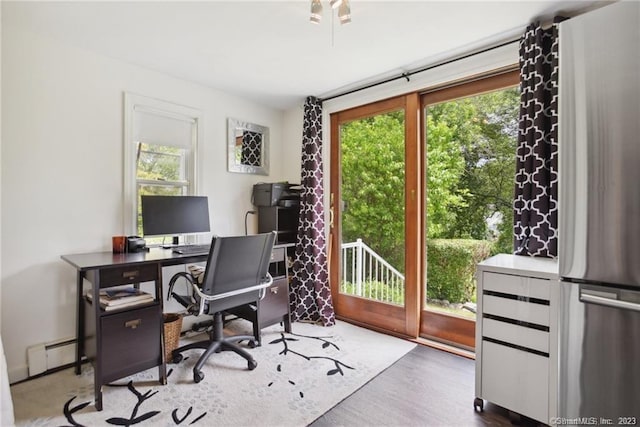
<point>246,215</point>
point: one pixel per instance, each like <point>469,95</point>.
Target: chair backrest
<point>237,262</point>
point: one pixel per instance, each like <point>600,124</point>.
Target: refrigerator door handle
<point>609,302</point>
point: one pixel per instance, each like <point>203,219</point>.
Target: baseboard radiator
<point>44,357</point>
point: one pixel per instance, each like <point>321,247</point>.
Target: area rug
<point>299,377</point>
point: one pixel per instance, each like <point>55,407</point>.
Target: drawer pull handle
<point>274,290</point>
<point>132,323</point>
<point>130,274</point>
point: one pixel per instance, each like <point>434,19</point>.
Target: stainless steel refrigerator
<point>599,216</point>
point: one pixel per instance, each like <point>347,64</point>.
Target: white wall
<point>292,142</point>
<point>62,173</point>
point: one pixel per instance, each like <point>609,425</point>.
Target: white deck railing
<point>366,274</point>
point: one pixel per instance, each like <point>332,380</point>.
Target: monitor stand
<point>175,241</point>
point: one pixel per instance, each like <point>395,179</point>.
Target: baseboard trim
<point>51,371</point>
<point>445,347</point>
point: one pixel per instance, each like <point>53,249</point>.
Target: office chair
<point>236,274</point>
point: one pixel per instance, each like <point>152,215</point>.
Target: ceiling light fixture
<point>316,11</point>
<point>344,10</point>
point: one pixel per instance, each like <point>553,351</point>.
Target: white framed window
<point>161,141</point>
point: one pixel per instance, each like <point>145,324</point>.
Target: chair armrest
<point>175,277</point>
<point>204,297</point>
<point>187,301</point>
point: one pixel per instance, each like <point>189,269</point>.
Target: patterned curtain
<point>310,292</point>
<point>536,187</point>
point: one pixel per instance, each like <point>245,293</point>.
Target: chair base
<point>257,334</point>
<point>216,344</point>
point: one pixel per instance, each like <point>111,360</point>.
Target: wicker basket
<point>172,328</point>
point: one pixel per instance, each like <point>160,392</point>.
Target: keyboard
<point>192,249</point>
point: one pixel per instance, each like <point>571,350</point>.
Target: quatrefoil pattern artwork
<point>251,148</point>
<point>310,294</point>
<point>536,186</point>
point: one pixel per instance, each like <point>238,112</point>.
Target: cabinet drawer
<point>130,341</point>
<point>516,380</point>
<point>131,274</point>
<point>515,334</point>
<point>516,285</point>
<point>275,303</point>
<point>517,310</point>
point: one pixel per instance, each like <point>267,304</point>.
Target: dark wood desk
<point>122,342</point>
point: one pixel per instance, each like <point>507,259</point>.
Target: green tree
<point>159,162</point>
<point>471,146</point>
<point>485,129</point>
<point>372,152</point>
<point>445,166</point>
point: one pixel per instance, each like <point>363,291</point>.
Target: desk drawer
<point>517,285</point>
<point>275,303</point>
<point>515,334</point>
<point>517,380</point>
<point>522,311</point>
<point>130,274</point>
<point>130,341</point>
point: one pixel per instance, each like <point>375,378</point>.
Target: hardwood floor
<point>427,387</point>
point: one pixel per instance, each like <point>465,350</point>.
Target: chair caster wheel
<point>252,344</point>
<point>251,364</point>
<point>478,404</point>
<point>177,358</point>
<point>197,376</point>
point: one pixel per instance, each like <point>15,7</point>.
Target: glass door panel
<point>372,214</point>
<point>369,228</point>
<point>470,146</point>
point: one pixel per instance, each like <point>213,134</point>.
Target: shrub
<point>375,290</point>
<point>451,266</point>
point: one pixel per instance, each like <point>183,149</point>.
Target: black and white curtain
<point>310,294</point>
<point>536,187</point>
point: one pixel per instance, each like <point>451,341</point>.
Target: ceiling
<point>269,52</point>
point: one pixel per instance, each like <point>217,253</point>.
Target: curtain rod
<point>408,74</point>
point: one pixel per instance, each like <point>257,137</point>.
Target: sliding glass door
<point>421,191</point>
<point>373,261</point>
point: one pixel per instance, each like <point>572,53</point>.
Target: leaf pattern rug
<point>299,377</point>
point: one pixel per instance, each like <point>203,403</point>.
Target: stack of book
<point>115,299</point>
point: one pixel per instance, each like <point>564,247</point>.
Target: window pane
<point>471,146</point>
<point>161,162</point>
<point>373,223</point>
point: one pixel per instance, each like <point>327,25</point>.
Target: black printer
<point>276,194</point>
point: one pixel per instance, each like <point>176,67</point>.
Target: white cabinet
<point>516,335</point>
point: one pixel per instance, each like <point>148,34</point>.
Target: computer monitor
<point>174,215</point>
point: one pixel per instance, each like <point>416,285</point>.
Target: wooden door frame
<point>398,320</point>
